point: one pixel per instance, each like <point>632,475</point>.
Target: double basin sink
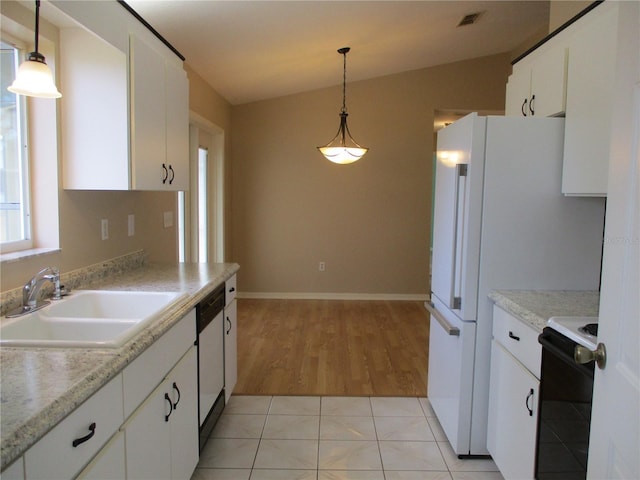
<point>89,319</point>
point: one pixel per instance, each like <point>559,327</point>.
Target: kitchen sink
<point>111,304</point>
<point>88,318</point>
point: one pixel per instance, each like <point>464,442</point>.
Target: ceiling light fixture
<point>343,148</point>
<point>34,78</point>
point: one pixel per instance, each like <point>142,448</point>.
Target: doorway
<point>201,209</point>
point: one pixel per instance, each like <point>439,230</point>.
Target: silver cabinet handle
<point>444,323</point>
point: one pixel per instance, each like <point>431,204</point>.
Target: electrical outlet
<point>321,266</point>
<point>131,225</point>
<point>104,227</point>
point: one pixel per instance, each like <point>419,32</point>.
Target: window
<point>15,216</point>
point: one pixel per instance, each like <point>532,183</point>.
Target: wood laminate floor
<point>332,347</point>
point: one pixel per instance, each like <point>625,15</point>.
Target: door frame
<point>215,185</point>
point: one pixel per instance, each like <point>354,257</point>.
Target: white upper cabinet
<point>177,126</point>
<point>125,111</point>
<point>94,113</point>
<point>589,102</point>
<point>538,84</point>
<point>572,73</point>
<point>159,119</point>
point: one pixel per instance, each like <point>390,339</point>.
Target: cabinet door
<point>513,415</point>
<point>147,371</point>
<point>95,127</point>
<point>177,128</point>
<point>15,471</point>
<point>518,88</point>
<point>183,385</point>
<point>109,463</point>
<point>230,348</point>
<point>148,438</point>
<point>589,102</point>
<point>549,83</point>
<point>148,116</point>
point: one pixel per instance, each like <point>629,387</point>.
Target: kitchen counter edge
<point>25,427</point>
<point>535,307</point>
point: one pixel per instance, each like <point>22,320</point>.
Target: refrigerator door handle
<point>455,302</point>
<point>444,323</point>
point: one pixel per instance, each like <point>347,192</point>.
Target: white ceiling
<point>253,50</point>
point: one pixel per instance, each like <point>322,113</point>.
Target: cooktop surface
<point>582,330</point>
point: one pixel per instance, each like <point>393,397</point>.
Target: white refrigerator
<point>500,222</point>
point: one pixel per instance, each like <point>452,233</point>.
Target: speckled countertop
<point>41,386</point>
<point>537,306</point>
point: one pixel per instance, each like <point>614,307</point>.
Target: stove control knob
<point>583,355</point>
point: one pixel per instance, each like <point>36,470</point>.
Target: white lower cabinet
<point>109,463</point>
<point>184,418</point>
<point>142,424</point>
<point>513,415</point>
<point>513,399</point>
<point>162,434</point>
<point>15,471</point>
<point>230,348</point>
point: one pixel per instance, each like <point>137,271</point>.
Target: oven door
<point>564,417</point>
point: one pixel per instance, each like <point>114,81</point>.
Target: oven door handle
<point>543,339</point>
<point>444,323</point>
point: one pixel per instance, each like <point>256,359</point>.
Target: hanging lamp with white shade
<point>34,77</point>
<point>343,149</point>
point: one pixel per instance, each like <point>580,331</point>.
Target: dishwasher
<point>210,347</point>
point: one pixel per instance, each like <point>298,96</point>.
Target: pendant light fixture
<point>34,78</point>
<point>343,148</point>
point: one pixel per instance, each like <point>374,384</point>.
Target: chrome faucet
<point>30,291</point>
<point>32,288</point>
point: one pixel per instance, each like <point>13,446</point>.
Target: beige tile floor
<point>333,438</point>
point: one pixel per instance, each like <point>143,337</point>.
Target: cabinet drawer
<point>231,290</point>
<point>147,371</point>
<point>518,338</point>
<point>54,456</point>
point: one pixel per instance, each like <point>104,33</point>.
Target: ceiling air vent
<point>469,19</point>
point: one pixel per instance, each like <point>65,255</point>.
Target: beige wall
<point>562,11</point>
<point>80,214</point>
<point>369,221</point>
<point>208,104</point>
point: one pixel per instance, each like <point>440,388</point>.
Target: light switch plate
<point>168,219</point>
<point>131,225</point>
<point>104,227</point>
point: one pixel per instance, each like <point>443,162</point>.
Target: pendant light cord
<point>37,23</point>
<point>344,84</point>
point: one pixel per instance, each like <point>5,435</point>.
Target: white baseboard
<point>334,296</point>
